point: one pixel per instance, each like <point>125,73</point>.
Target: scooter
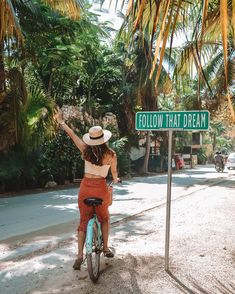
<point>219,167</point>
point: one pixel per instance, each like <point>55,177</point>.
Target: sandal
<point>77,263</point>
<point>108,253</point>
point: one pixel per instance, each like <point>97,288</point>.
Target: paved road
<point>53,216</point>
<point>30,213</point>
<point>48,270</point>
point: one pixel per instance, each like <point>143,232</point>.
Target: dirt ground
<point>202,254</point>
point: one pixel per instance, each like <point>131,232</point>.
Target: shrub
<point>123,156</point>
<point>61,158</point>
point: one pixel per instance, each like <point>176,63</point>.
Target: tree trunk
<point>149,103</point>
<point>214,142</point>
<point>199,101</point>
<point>231,108</point>
<point>144,169</point>
<point>2,75</point>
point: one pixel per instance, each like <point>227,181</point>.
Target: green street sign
<point>172,120</point>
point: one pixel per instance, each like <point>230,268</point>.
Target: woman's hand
<point>58,116</point>
<point>118,180</point>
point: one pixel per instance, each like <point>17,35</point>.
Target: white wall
<point>137,153</point>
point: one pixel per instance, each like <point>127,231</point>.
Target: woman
<point>98,159</point>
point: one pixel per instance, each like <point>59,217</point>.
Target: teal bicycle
<point>94,241</point>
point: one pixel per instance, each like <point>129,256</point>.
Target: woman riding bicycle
<point>98,159</point>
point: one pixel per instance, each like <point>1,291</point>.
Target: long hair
<point>95,154</point>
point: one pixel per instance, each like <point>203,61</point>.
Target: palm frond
<point>68,7</point>
<point>162,52</point>
<point>224,32</point>
<point>159,39</point>
<point>35,118</point>
<point>233,20</point>
<point>213,67</point>
<point>9,22</point>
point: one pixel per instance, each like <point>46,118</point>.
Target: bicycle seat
<point>93,201</point>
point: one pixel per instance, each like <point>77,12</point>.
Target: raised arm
<point>78,142</point>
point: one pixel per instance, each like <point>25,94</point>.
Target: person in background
<point>219,159</point>
<point>99,158</point>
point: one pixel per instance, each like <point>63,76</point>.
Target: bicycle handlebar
<point>111,183</point>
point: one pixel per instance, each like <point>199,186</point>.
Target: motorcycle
<point>219,167</point>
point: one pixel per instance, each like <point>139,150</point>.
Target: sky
<point>111,12</point>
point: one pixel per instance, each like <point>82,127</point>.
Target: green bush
<point>201,155</point>
<point>18,170</point>
<point>58,159</point>
<point>61,158</point>
<point>123,156</point>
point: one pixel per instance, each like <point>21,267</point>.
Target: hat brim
<point>92,142</point>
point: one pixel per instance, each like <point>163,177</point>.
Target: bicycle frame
<point>89,234</point>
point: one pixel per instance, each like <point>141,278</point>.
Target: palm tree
<point>14,97</point>
<point>138,85</point>
<point>216,129</point>
<point>160,19</point>
<point>10,27</point>
<point>206,58</point>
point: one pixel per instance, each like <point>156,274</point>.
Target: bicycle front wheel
<point>93,258</point>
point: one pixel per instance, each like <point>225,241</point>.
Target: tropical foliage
<point>56,52</point>
<point>209,22</point>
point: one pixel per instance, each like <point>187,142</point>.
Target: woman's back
<point>100,169</point>
<point>96,170</point>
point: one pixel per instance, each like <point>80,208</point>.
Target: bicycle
<point>94,240</point>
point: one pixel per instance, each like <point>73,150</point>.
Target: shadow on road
<point>218,286</point>
<point>201,175</point>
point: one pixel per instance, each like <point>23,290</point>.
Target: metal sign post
<point>168,203</point>
<point>169,121</point>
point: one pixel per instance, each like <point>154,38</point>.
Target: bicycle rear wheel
<point>93,259</point>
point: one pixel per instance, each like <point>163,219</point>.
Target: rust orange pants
<point>93,188</point>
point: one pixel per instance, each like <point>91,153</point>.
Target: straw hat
<point>96,136</point>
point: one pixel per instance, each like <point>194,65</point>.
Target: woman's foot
<point>77,263</point>
<point>108,253</point>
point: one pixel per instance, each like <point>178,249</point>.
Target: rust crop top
<point>96,170</point>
